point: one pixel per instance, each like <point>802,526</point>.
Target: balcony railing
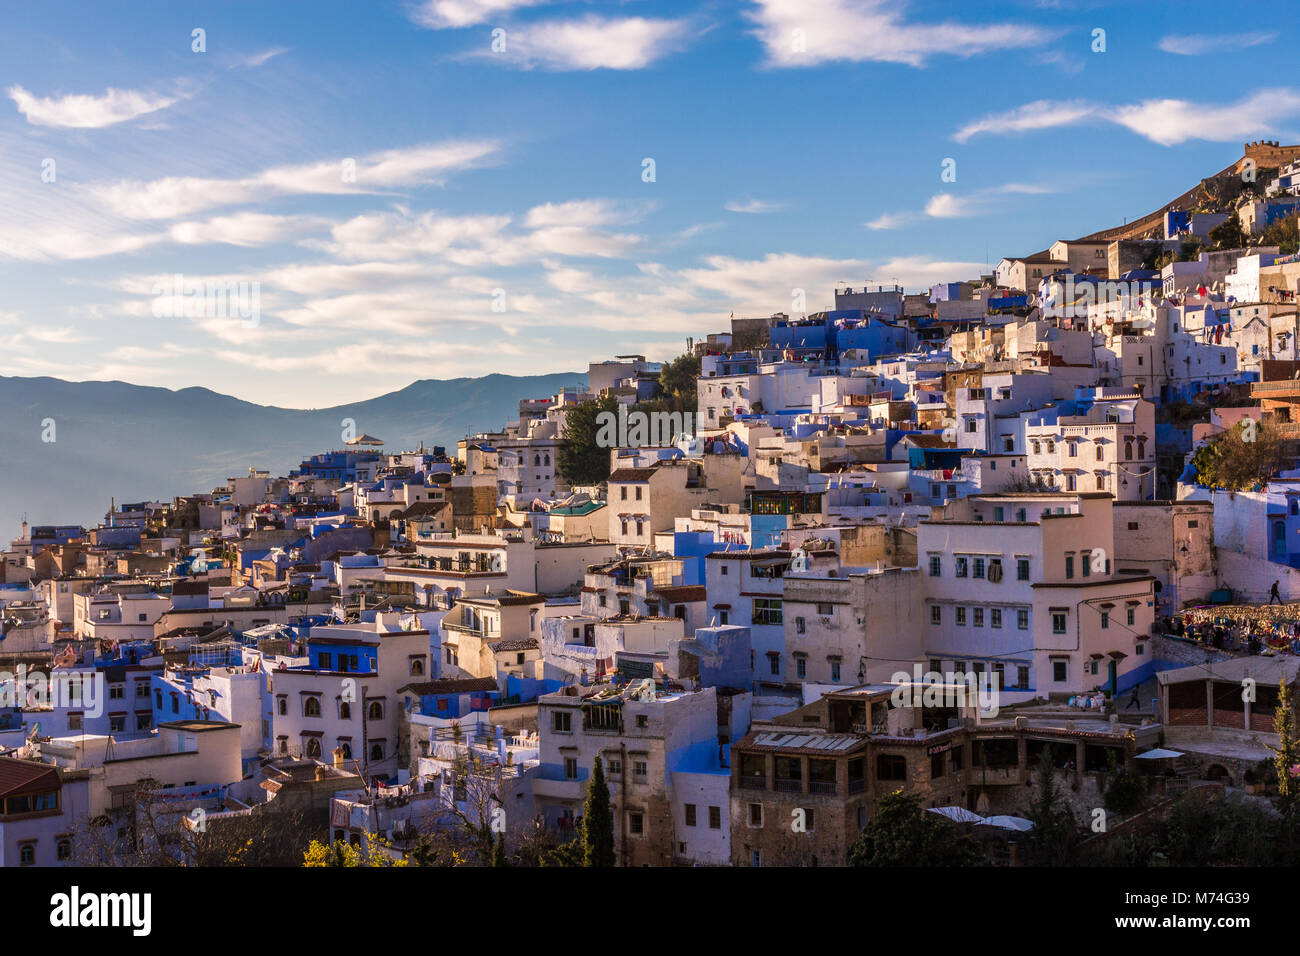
<point>822,786</point>
<point>857,786</point>
<point>753,783</point>
<point>789,786</point>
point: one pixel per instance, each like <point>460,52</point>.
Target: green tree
<point>499,851</point>
<point>900,833</point>
<point>1286,755</point>
<point>1282,233</point>
<point>597,820</point>
<point>1233,462</point>
<point>677,384</point>
<point>1229,234</point>
<point>1125,793</point>
<point>1056,833</point>
<point>581,459</point>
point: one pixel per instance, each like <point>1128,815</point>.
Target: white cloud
<point>258,59</point>
<point>890,220</point>
<point>812,32</point>
<point>245,229</point>
<point>1164,121</point>
<point>753,206</point>
<point>444,14</point>
<point>83,111</point>
<point>593,43</point>
<point>1040,114</point>
<point>1169,122</point>
<point>410,166</point>
<point>1196,44</point>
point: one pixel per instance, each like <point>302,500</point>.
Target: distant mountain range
<point>137,443</point>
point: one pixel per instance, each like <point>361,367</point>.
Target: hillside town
<point>1016,556</point>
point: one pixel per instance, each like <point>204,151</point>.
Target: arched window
<point>346,749</point>
<point>537,459</point>
<point>1142,449</point>
<point>284,706</point>
<point>546,459</point>
<point>345,710</point>
<point>26,854</point>
<point>376,710</point>
<point>376,751</point>
<point>313,747</point>
<point>417,667</point>
<point>311,707</point>
<point>63,849</point>
<point>1128,451</point>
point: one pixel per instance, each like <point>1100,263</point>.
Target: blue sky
<point>499,218</point>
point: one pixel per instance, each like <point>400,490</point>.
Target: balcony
<point>822,786</point>
<point>753,783</point>
<point>789,786</point>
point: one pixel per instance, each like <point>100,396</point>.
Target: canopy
<point>1008,823</point>
<point>1158,754</point>
<point>958,814</point>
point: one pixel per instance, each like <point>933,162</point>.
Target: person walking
<point>1133,700</point>
<point>1273,594</point>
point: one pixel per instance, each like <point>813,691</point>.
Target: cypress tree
<point>598,821</point>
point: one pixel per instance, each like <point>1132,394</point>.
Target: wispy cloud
<point>410,166</point>
<point>1164,121</point>
<point>1196,44</point>
<point>754,206</point>
<point>450,14</point>
<point>84,111</point>
<point>949,205</point>
<point>812,32</point>
<point>1040,114</point>
<point>592,43</point>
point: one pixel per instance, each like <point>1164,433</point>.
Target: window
<point>1085,562</point>
<point>27,854</point>
<point>971,426</point>
<point>1022,676</point>
<point>825,610</point>
<point>1022,569</point>
<point>640,769</point>
<point>801,667</point>
<point>562,722</point>
<point>995,617</point>
<point>313,747</point>
<point>979,568</point>
<point>117,691</point>
<point>774,663</point>
<point>642,721</point>
<point>809,819</point>
<point>961,567</point>
<point>1132,618</point>
<point>961,616</point>
<point>326,661</point>
<point>1105,620</point>
<point>311,706</point>
<point>283,706</point>
<point>615,764</point>
<point>1139,650</point>
<point>1069,566</point>
<point>891,767</point>
<point>63,849</point>
<point>755,814</point>
<point>1059,671</point>
<point>570,768</point>
<point>376,710</point>
<point>1058,622</point>
<point>75,721</point>
<point>690,814</point>
<point>417,666</point>
<point>835,671</point>
<point>977,616</point>
<point>767,611</point>
<point>376,751</point>
<point>715,818</point>
<point>1022,619</point>
<point>345,710</point>
<point>936,614</point>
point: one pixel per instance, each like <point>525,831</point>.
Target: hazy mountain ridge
<point>136,442</point>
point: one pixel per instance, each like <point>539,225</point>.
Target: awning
<point>1008,823</point>
<point>957,814</point>
<point>1158,753</point>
